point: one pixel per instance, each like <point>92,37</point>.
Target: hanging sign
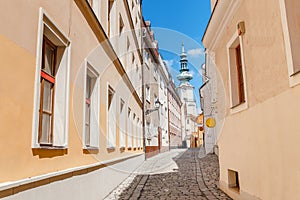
<point>210,122</point>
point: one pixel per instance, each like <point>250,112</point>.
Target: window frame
<point>236,40</point>
<point>293,74</point>
<point>94,135</point>
<point>111,144</point>
<point>50,78</point>
<point>47,27</point>
<point>148,93</point>
<point>129,127</point>
<point>122,116</point>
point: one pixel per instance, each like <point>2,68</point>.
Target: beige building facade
<point>71,109</point>
<point>174,112</point>
<point>153,136</point>
<point>255,46</point>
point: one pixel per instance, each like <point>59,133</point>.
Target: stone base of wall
<point>91,183</point>
<point>151,151</point>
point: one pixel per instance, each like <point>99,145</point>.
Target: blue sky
<point>177,21</point>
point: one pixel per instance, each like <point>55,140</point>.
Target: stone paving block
<point>195,179</point>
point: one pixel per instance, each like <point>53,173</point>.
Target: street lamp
<point>156,107</point>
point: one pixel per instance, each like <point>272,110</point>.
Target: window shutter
<point>129,131</point>
<point>140,135</point>
<point>95,119</point>
<point>111,136</point>
<point>60,103</point>
<point>134,133</point>
<point>122,127</point>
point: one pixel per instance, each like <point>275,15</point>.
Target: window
<point>233,180</point>
<point>91,114</point>
<point>51,98</point>
<point>240,74</point>
<point>90,2</point>
<point>236,73</point>
<point>110,17</point>
<point>155,71</point>
<point>48,71</point>
<point>291,17</point>
<point>122,123</point>
<point>121,25</point>
<point>137,136</point>
<point>140,136</point>
<point>95,5</point>
<point>111,116</point>
<point>147,58</point>
<point>132,58</point>
<point>148,97</point>
<point>129,128</point>
<point>134,130</point>
<point>128,44</point>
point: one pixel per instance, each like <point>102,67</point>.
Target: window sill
<point>294,79</point>
<point>91,148</point>
<point>50,147</point>
<point>239,108</point>
<point>234,189</point>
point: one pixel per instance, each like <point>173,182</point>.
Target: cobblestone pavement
<point>196,178</point>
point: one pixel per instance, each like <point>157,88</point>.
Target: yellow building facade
<point>254,46</point>
<point>71,111</point>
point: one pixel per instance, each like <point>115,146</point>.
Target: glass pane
<point>87,135</point>
<point>87,114</point>
<point>49,59</point>
<point>46,129</point>
<point>88,86</point>
<point>47,99</point>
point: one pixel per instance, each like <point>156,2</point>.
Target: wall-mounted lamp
<point>156,107</point>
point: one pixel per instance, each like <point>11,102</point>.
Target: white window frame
<point>294,77</point>
<point>95,105</point>
<point>111,136</point>
<point>96,7</point>
<point>61,119</point>
<point>122,124</point>
<point>148,93</point>
<point>232,42</point>
<point>129,128</point>
<point>134,129</point>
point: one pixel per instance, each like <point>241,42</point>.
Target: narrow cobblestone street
<point>195,178</point>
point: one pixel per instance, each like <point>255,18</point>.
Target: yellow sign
<point>210,122</point>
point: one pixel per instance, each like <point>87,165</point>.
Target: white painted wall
<point>92,186</point>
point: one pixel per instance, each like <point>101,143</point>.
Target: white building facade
<point>186,93</point>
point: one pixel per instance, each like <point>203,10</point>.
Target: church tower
<point>185,76</point>
<point>186,93</point>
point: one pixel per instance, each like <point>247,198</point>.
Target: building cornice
<point>103,40</point>
<point>148,40</point>
<point>129,16</point>
<point>223,12</point>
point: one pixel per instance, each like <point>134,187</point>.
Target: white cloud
<point>195,52</point>
<point>169,63</point>
<point>192,72</point>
